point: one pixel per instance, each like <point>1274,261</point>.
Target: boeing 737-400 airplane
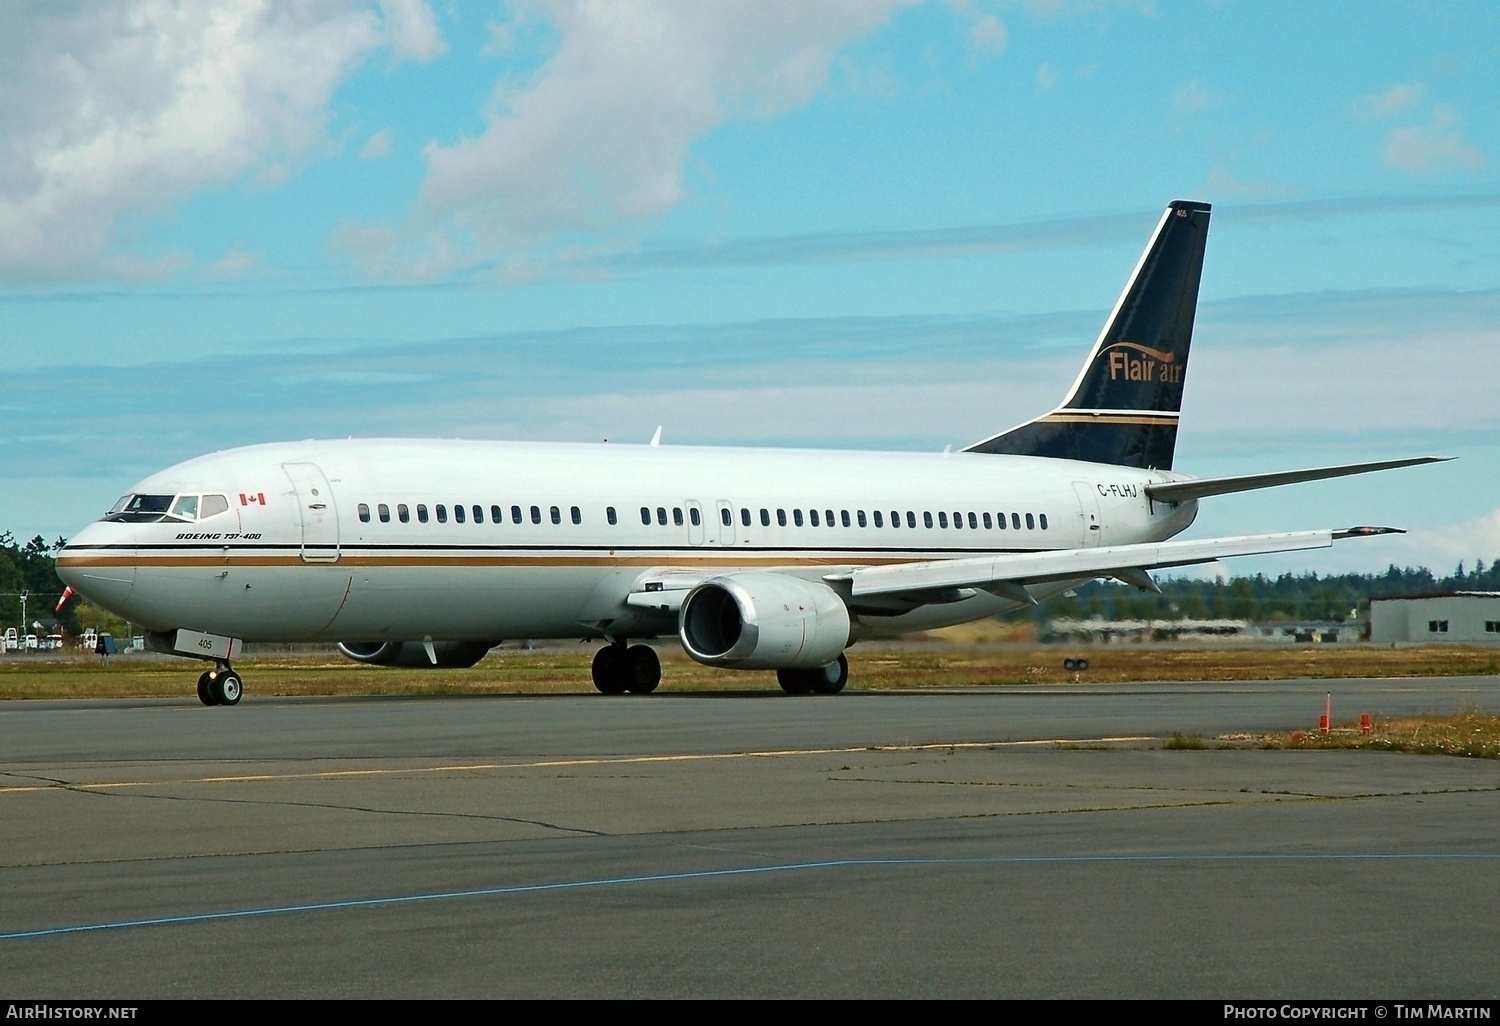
<point>431,552</point>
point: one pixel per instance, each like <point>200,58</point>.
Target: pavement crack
<point>340,807</point>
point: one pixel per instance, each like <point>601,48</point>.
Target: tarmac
<point>990,842</point>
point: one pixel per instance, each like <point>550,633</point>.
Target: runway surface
<point>972,842</point>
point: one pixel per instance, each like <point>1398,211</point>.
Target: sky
<point>829,223</point>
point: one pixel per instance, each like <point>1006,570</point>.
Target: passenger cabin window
<point>988,523</point>
<point>575,514</point>
<point>860,517</point>
<point>458,513</point>
<point>973,522</point>
<point>765,517</point>
<point>515,514</point>
<point>693,516</point>
<point>661,516</point>
<point>497,515</point>
<point>942,519</point>
<point>645,515</point>
<point>797,517</point>
<point>1030,523</point>
<point>781,518</point>
<point>927,519</point>
<point>878,521</point>
<point>384,512</point>
<point>402,513</point>
<point>536,514</point>
<point>677,515</point>
<point>828,517</point>
<point>609,514</point>
<point>421,513</point>
<point>895,518</point>
<point>364,513</point>
<point>725,517</point>
<point>442,513</point>
<point>812,517</point>
<point>1042,519</point>
<point>1015,521</point>
<point>844,517</point>
<point>555,514</point>
<point>478,514</point>
<point>745,516</point>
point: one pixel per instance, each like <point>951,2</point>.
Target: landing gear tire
<point>609,670</point>
<point>822,680</point>
<point>642,670</point>
<point>830,679</point>
<point>206,689</point>
<point>226,687</point>
<point>794,682</point>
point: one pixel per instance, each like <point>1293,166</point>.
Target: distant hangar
<point>1454,616</point>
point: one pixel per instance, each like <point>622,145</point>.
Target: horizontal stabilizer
<point>1127,561</point>
<point>1180,491</point>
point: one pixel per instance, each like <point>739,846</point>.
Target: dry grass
<point>872,667</point>
<point>1473,733</point>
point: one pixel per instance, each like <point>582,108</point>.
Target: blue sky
<point>806,223</point>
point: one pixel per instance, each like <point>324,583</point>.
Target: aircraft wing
<point>1007,574</point>
<point>1177,491</point>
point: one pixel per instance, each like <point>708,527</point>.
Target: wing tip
<point>1366,532</point>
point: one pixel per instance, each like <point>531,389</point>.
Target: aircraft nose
<point>98,564</point>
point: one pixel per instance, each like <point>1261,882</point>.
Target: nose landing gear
<point>220,686</point>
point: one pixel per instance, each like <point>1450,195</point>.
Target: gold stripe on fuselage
<point>722,558</point>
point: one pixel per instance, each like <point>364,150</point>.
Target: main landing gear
<point>618,669</point>
<point>821,680</point>
<point>220,686</point>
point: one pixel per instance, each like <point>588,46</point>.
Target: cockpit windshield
<point>139,509</point>
<point>149,509</point>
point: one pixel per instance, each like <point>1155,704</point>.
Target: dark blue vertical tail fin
<point>1123,408</point>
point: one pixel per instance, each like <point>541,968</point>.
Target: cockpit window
<point>140,509</point>
<point>149,509</point>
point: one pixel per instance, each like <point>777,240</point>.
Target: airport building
<point>1454,616</point>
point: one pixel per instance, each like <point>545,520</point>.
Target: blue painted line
<point>709,874</point>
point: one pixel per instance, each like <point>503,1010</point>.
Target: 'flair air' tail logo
<point>1151,365</point>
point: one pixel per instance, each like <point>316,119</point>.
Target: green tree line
<point>1267,599</point>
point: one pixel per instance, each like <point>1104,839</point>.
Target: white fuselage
<point>361,540</point>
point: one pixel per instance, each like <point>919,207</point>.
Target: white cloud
<point>1443,547</point>
<point>377,146</point>
<point>1435,146</point>
<point>1046,78</point>
<point>113,110</point>
<point>1190,98</point>
<point>1394,100</point>
<point>601,134</point>
<point>236,263</point>
<point>988,35</point>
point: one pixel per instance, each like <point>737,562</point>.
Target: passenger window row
<point>877,519</point>
<point>662,515</point>
<point>463,514</point>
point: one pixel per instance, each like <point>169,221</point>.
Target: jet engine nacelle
<point>456,655</point>
<point>764,621</point>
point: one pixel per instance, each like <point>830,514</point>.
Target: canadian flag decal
<point>258,499</point>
